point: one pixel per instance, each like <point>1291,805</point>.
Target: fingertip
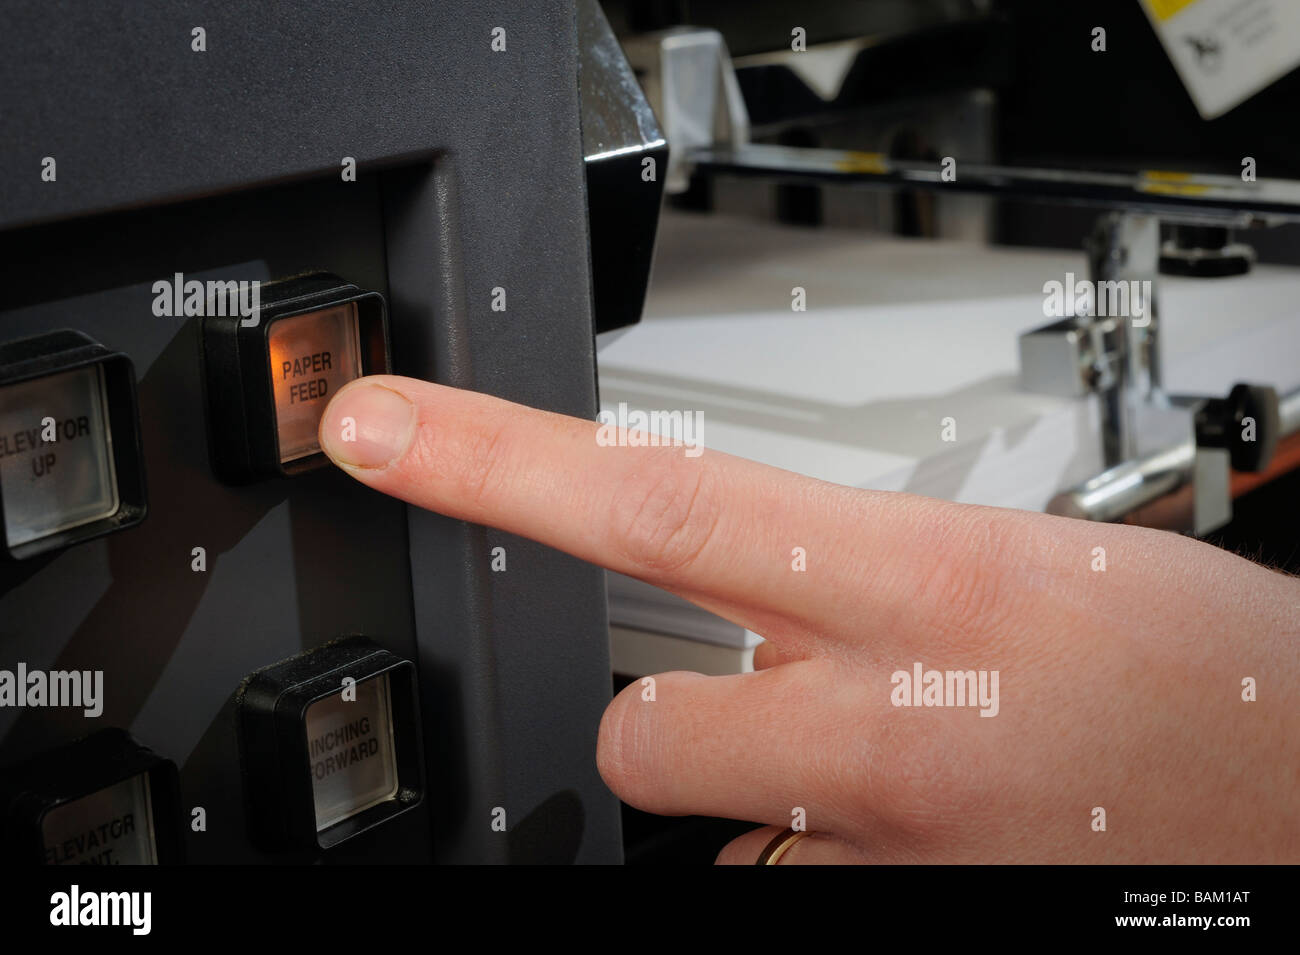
<point>369,424</point>
<point>627,743</point>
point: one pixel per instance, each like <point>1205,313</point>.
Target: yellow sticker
<point>1161,182</point>
<point>1164,9</point>
<point>1173,189</point>
<point>863,162</point>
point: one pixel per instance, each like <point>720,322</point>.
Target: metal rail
<point>1174,196</point>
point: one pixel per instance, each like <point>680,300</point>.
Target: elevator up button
<point>56,471</point>
<point>69,448</point>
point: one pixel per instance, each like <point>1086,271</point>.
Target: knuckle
<point>965,582</point>
<point>666,513</point>
<point>481,461</point>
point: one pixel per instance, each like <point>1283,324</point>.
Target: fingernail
<point>367,426</point>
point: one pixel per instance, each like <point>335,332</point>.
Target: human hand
<point>1118,689</point>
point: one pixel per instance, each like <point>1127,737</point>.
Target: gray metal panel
<point>114,92</point>
<point>514,667</point>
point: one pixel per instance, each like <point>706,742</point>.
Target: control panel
<point>216,647</point>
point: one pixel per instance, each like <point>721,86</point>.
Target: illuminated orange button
<point>311,357</point>
<point>269,375</point>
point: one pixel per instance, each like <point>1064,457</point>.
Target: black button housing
<point>56,353</point>
<point>243,427</point>
<point>279,761</point>
<point>33,791</point>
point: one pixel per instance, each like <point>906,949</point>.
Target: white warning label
<point>1226,51</point>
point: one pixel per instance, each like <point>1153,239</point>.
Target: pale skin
<point>1120,689</point>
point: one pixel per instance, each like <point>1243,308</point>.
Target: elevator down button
<point>103,800</point>
<point>113,826</point>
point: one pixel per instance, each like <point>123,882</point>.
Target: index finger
<point>725,532</point>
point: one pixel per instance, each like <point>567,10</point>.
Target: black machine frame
<point>228,162</point>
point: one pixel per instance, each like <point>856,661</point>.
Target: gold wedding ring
<point>779,846</point>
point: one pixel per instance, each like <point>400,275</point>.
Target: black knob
<point>1204,252</point>
<point>1246,423</point>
